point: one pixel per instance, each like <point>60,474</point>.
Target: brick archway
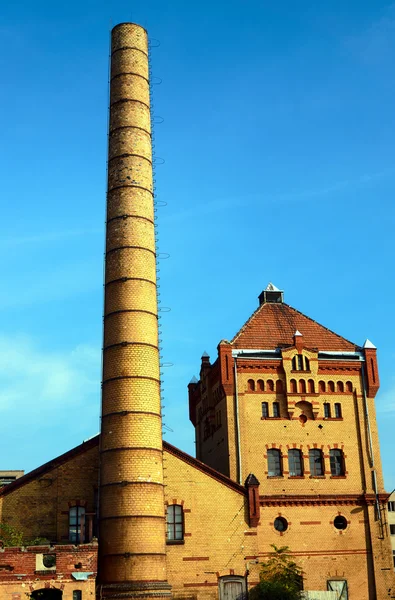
<point>46,594</point>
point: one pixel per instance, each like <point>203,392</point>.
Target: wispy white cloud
<point>35,382</point>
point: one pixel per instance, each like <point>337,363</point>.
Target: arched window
<point>251,385</point>
<point>295,463</point>
<point>348,386</point>
<point>327,410</point>
<point>316,462</point>
<point>338,410</point>
<point>300,363</point>
<point>175,523</point>
<point>302,386</point>
<point>261,385</point>
<point>279,386</point>
<point>331,386</point>
<point>321,386</point>
<point>340,386</point>
<point>265,410</point>
<point>276,409</point>
<point>274,463</point>
<point>77,524</point>
<point>270,385</point>
<point>310,384</point>
<point>292,385</point>
<point>337,462</point>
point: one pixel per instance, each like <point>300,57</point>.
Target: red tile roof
<point>273,325</point>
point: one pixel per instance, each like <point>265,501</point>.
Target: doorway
<point>47,594</point>
<point>232,587</point>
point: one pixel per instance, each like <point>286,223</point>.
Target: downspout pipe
<point>237,426</point>
<point>369,432</point>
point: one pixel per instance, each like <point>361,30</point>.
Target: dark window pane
<point>77,595</point>
<point>327,410</point>
<point>175,522</point>
<point>274,463</point>
<point>338,410</point>
<point>336,460</point>
<point>276,409</point>
<point>316,464</point>
<point>265,409</point>
<point>295,463</point>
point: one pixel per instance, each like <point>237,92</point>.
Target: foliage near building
<point>280,577</point>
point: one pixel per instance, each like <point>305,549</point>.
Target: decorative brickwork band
<point>132,559</point>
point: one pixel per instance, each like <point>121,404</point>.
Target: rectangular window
<point>295,463</point>
<point>391,506</point>
<point>392,529</point>
<point>77,595</point>
<point>336,462</point>
<point>327,410</point>
<point>338,410</point>
<point>274,463</point>
<point>77,524</point>
<point>175,522</point>
<point>265,409</point>
<point>276,409</point>
<point>316,463</point>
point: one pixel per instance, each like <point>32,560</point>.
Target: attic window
<point>300,363</point>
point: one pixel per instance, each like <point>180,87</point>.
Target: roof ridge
<point>255,313</point>
<point>94,441</point>
<point>195,462</point>
<point>51,464</point>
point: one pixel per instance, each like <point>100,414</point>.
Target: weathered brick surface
<point>308,503</point>
<point>39,508</point>
<point>132,532</point>
<point>19,576</point>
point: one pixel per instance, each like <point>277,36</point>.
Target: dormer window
<point>300,363</point>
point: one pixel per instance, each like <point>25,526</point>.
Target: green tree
<point>10,536</point>
<point>280,577</point>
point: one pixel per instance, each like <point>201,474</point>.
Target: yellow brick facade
<point>268,390</point>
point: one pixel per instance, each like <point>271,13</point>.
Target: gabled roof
<point>48,466</point>
<point>94,441</point>
<point>273,325</point>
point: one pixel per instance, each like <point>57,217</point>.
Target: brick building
<point>287,445</point>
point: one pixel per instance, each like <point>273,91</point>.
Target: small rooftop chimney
<point>271,294</point>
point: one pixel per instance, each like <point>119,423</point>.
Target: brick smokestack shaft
<point>132,521</point>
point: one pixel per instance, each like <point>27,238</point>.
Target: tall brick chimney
<point>132,537</point>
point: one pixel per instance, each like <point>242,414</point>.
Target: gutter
<point>369,433</point>
<point>237,426</point>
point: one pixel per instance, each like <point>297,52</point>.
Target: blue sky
<point>278,137</point>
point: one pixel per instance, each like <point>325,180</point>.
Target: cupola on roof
<point>271,294</point>
<point>275,324</point>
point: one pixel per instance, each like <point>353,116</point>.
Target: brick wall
<point>19,575</point>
